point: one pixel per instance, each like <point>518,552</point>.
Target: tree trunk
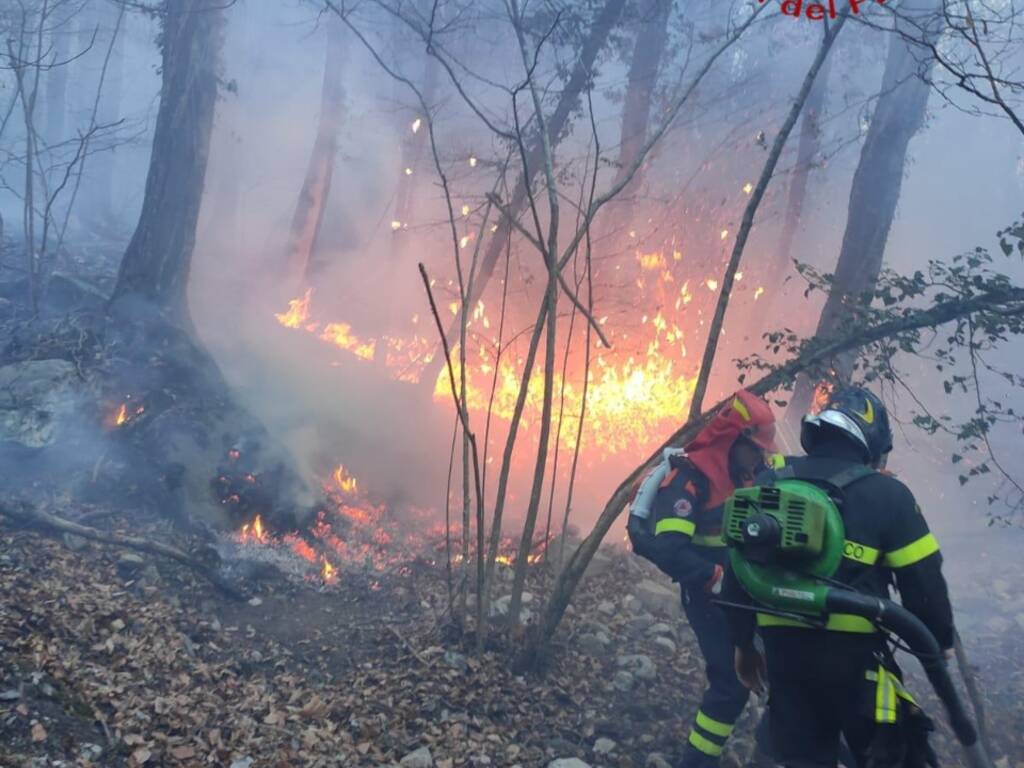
<point>557,124</point>
<point>636,107</point>
<point>316,188</point>
<point>414,141</point>
<point>101,193</point>
<point>780,264</point>
<point>57,83</point>
<point>875,191</point>
<point>157,262</point>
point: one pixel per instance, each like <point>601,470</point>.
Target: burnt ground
<point>108,661</point>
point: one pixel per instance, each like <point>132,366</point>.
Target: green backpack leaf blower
<point>785,544</point>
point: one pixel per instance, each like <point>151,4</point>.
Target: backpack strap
<point>840,480</point>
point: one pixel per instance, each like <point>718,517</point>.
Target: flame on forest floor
<point>639,388</point>
<point>125,413</point>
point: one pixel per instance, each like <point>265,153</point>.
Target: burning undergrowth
<point>346,531</point>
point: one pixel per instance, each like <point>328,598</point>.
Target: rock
<point>568,762</point>
<point>456,660</point>
<point>640,623</point>
<point>421,758</point>
<point>12,695</point>
<point>623,681</point>
<point>658,599</point>
<point>501,606</point>
<point>33,396</point>
<point>604,746</point>
<point>593,644</point>
<point>661,628</point>
<point>130,565</point>
<point>640,665</point>
<point>607,607</point>
<point>558,744</point>
<point>256,602</point>
<point>668,645</point>
<point>245,762</point>
<point>599,564</point>
<point>479,761</point>
<point>656,760</point>
<point>73,542</point>
<point>631,604</point>
<point>597,628</point>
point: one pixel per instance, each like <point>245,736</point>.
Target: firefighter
<point>842,679</point>
<point>675,521</point>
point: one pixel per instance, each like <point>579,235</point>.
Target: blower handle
<point>922,642</point>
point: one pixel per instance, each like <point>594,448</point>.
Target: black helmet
<point>857,414</point>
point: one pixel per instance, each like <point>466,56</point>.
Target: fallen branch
<point>27,516</point>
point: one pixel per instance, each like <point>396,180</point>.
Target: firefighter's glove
<point>714,584</point>
<point>903,744</point>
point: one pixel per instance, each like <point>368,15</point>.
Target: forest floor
<point>110,659</point>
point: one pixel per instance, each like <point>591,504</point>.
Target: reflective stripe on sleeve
<point>837,622</point>
<point>860,553</point>
<point>776,460</point>
<point>712,726</point>
<point>707,746</point>
<point>914,552</point>
<point>675,525</point>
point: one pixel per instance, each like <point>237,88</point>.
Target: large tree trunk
<point>636,107</point>
<point>557,124</point>
<point>157,262</point>
<point>316,188</point>
<point>878,179</point>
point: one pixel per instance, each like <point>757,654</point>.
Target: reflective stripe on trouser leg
<point>725,696</point>
<point>704,744</point>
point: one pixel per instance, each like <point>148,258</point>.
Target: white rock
<point>661,628</point>
<point>604,746</point>
<point>421,758</point>
<point>640,665</point>
<point>568,762</point>
<point>607,607</point>
<point>657,760</point>
<point>623,681</point>
<point>245,762</point>
<point>658,598</point>
<point>668,645</point>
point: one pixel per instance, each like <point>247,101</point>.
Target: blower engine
<point>785,544</point>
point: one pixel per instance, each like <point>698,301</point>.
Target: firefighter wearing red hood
<point>675,521</point>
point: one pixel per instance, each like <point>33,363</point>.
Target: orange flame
<point>253,532</point>
<point>328,572</point>
<point>297,314</point>
<point>122,414</point>
<point>346,482</point>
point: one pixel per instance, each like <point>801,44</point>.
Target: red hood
<point>744,415</point>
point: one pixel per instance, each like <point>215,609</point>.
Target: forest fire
<point>638,388</point>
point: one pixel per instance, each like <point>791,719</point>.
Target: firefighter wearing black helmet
<point>841,678</point>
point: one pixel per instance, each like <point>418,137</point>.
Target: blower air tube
<point>920,640</point>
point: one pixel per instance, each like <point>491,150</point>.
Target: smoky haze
<point>963,181</point>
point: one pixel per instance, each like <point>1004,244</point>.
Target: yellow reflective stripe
<point>885,697</point>
<point>741,408</point>
<point>837,622</point>
<point>902,692</point>
<point>914,552</point>
<point>712,726</point>
<point>709,540</point>
<point>860,553</point>
<point>776,460</point>
<point>707,746</point>
<point>675,525</point>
